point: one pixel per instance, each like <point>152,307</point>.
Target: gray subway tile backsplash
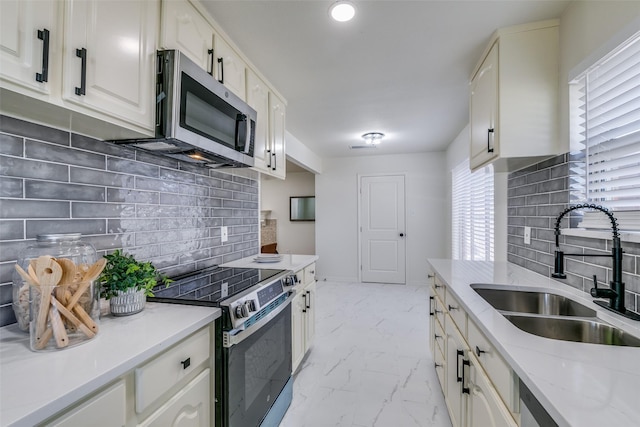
<point>536,196</point>
<point>154,207</point>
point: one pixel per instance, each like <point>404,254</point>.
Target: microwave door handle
<point>247,143</point>
<point>239,118</point>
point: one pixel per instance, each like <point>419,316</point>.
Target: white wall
<point>337,211</point>
<point>297,237</point>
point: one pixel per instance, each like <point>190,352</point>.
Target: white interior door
<point>382,229</point>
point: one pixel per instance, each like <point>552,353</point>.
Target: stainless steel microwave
<point>198,120</point>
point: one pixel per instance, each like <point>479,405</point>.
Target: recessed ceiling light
<point>373,138</point>
<point>342,11</point>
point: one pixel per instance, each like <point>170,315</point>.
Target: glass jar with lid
<point>55,293</point>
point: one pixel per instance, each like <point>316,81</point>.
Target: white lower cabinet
<point>173,388</point>
<point>303,315</point>
<point>190,407</point>
<point>106,409</point>
<point>478,385</point>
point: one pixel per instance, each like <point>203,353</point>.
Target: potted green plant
<point>126,283</point>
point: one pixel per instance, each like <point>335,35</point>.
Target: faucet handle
<point>594,290</point>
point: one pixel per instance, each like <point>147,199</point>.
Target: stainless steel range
<point>252,338</point>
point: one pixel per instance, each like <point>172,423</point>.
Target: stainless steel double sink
<point>553,316</point>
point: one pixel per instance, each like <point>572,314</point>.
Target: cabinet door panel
<point>310,321</point>
<point>119,38</point>
<point>185,29</point>
<point>277,135</point>
<point>190,407</point>
<point>258,99</point>
<point>297,331</point>
<point>107,409</point>
<point>21,51</point>
<point>231,71</point>
<point>485,408</point>
<point>483,108</point>
<point>456,352</point>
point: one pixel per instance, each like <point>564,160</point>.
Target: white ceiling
<point>400,67</point>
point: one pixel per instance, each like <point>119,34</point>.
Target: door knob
<point>401,234</point>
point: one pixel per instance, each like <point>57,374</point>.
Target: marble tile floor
<point>370,365</point>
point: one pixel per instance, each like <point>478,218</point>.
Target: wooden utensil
<point>68,276</point>
<point>33,275</point>
<point>25,276</point>
<point>49,273</point>
<point>72,318</point>
<point>59,332</point>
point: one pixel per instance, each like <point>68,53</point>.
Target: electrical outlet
<point>527,235</point>
<point>225,289</point>
<point>224,233</point>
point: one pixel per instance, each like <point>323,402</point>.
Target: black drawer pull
<point>221,68</point>
<point>489,147</point>
<point>210,52</point>
<point>479,352</point>
<point>465,389</point>
<point>186,363</point>
<point>44,36</point>
<point>458,376</point>
<point>451,307</point>
<point>82,54</point>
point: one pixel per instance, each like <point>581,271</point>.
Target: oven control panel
<point>255,299</point>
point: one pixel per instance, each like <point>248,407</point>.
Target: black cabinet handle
<point>186,363</point>
<point>479,352</point>
<point>438,365</point>
<point>304,309</point>
<point>437,286</point>
<point>82,54</point>
<point>221,66</point>
<point>211,56</point>
<point>451,307</point>
<point>44,76</point>
<point>436,336</point>
<point>275,160</point>
<point>489,133</point>
<point>269,155</point>
<point>308,300</point>
<point>401,234</point>
<point>431,312</point>
<point>458,376</point>
<point>465,363</point>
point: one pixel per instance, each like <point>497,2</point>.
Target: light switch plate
<point>225,289</point>
<point>527,235</point>
<point>224,234</point>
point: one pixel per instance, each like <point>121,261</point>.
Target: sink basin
<point>578,330</point>
<point>532,302</point>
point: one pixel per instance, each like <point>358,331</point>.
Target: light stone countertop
<point>579,384</point>
<point>289,262</point>
<point>36,385</point>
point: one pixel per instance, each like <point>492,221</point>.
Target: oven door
<point>256,365</point>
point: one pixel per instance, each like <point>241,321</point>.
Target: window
<point>605,124</point>
<point>472,212</point>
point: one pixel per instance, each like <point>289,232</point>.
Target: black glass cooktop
<point>207,287</point>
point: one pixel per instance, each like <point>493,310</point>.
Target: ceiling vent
<point>357,147</point>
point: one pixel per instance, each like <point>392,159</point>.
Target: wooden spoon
<point>68,276</point>
<point>25,276</point>
<point>49,273</point>
<point>91,274</point>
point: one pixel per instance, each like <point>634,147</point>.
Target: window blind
<point>472,213</point>
<point>606,123</point>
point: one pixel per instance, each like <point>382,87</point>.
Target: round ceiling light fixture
<point>342,11</point>
<point>373,138</point>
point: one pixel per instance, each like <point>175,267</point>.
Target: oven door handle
<point>229,340</point>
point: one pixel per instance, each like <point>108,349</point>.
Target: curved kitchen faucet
<point>615,294</point>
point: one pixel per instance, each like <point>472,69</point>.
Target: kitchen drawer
<point>438,309</point>
<point>457,313</point>
<point>104,410</point>
<point>440,338</point>
<point>439,287</point>
<point>189,407</point>
<point>441,367</point>
<point>309,273</point>
<point>158,376</point>
<point>494,365</point>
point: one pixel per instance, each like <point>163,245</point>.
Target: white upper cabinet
<point>89,60</point>
<point>230,68</point>
<point>258,99</point>
<point>28,46</point>
<point>109,58</point>
<point>514,115</point>
<point>277,114</point>
<point>185,29</point>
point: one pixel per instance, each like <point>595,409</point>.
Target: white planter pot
<point>128,302</point>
